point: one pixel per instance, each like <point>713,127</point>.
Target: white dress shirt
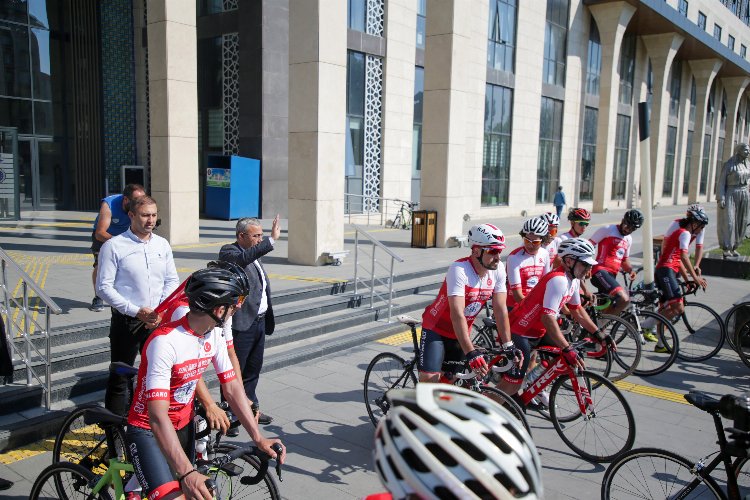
<point>134,273</point>
<point>263,307</point>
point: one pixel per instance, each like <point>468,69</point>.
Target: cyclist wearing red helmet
<point>470,283</point>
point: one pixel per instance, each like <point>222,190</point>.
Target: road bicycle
<point>742,343</point>
<point>403,218</point>
<point>732,324</point>
<point>656,473</point>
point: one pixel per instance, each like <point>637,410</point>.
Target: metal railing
<point>21,321</point>
<point>373,209</point>
<point>371,280</point>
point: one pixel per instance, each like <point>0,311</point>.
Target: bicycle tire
<point>507,402</point>
<point>52,484</point>
<point>731,329</point>
<point>652,361</point>
<point>87,444</point>
<point>741,468</point>
<point>652,473</point>
<point>228,487</point>
<point>482,338</point>
<point>696,329</point>
<point>625,360</point>
<point>393,372</point>
<point>604,411</point>
<point>743,343</point>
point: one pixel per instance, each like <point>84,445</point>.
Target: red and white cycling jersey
<point>612,248</point>
<point>552,249</point>
<point>553,291</point>
<point>462,280</point>
<point>675,245</point>
<point>525,271</point>
<point>172,362</point>
<point>179,308</point>
<point>675,225</point>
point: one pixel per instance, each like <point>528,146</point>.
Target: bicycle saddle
<point>102,416</point>
<point>703,401</point>
<point>408,320</point>
<point>489,322</point>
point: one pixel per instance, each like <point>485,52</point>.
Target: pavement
<point>318,406</point>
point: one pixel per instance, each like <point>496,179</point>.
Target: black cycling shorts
<point>606,282</point>
<point>434,349</point>
<point>666,280</point>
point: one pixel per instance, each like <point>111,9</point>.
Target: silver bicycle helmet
<point>551,218</point>
<point>442,441</point>
<point>578,248</point>
<point>698,215</point>
<point>536,225</point>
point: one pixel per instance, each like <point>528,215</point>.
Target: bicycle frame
<point>114,478</point>
<point>557,369</point>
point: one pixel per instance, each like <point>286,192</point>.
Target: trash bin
<point>424,229</point>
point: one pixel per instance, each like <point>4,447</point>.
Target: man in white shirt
<point>136,273</point>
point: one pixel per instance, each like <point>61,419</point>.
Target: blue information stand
<point>232,187</point>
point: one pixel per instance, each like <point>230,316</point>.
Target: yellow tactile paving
<point>28,451</point>
<point>399,338</point>
<point>653,392</point>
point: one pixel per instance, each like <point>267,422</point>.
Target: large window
<point>688,156</point>
<point>421,22</point>
<point>693,98</point>
<point>355,119</point>
<point>620,171</point>
<point>674,88</point>
<point>550,139</point>
<point>684,7</point>
<point>669,162</point>
<point>502,35</point>
<point>594,66</point>
<point>717,32</point>
<point>416,156</point>
<point>357,15</point>
<point>719,154</point>
<point>704,163</point>
<point>702,20</point>
<point>555,40</point>
<point>588,154</point>
<point>627,69</point>
<point>498,110</point>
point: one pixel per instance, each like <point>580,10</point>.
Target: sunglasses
<point>536,243</point>
<point>493,251</point>
<point>582,223</point>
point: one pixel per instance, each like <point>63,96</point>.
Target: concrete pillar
<point>735,88</point>
<point>173,113</point>
<point>452,137</point>
<point>704,72</point>
<point>398,99</point>
<point>661,50</point>
<point>317,119</point>
<point>611,19</point>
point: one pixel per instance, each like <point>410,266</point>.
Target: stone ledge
<point>735,267</point>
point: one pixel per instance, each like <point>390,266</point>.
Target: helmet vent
<point>470,449</point>
<point>441,455</point>
<point>414,461</point>
<point>495,439</point>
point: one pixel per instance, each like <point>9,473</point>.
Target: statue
<point>733,199</point>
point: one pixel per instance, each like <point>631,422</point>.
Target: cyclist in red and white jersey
<point>160,434</point>
<point>697,238</point>
<point>675,259</point>
<point>535,318</point>
<point>550,240</point>
<point>579,218</point>
<point>528,263</point>
<point>470,283</point>
<point>613,253</point>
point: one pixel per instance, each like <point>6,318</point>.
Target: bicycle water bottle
<point>201,443</point>
<point>536,372</point>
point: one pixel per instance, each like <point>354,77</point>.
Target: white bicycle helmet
<point>442,441</point>
<point>693,207</point>
<point>552,218</point>
<point>578,248</point>
<point>486,236</point>
<point>537,226</point>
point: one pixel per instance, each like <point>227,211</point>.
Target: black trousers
<point>249,346</point>
<point>126,338</point>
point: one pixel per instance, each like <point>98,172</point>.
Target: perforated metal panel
<point>373,131</point>
<point>231,92</point>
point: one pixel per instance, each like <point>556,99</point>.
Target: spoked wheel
<point>481,337</point>
<point>701,332</point>
<point>66,481</point>
<point>741,467</point>
<point>506,401</point>
<point>89,445</point>
<point>743,343</point>
<point>659,341</point>
<point>386,371</point>
<point>654,473</point>
<point>242,485</point>
<point>628,354</point>
<point>607,426</point>
<point>736,316</point>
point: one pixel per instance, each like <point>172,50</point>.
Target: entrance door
<point>41,169</point>
<point>8,173</point>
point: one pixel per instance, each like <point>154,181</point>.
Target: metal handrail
<point>386,207</point>
<point>7,264</point>
<point>372,277</point>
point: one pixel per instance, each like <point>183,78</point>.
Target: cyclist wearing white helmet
<point>697,238</point>
<point>550,240</point>
<point>528,263</point>
<point>535,319</point>
<point>441,441</point>
<point>470,282</point>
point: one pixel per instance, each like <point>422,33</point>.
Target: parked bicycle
<point>733,321</point>
<point>403,218</point>
<point>657,473</point>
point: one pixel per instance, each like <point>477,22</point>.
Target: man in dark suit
<point>254,320</point>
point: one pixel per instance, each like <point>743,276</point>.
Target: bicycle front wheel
<point>732,322</point>
<point>239,486</point>
<point>741,468</point>
<point>386,371</point>
<point>89,445</point>
<point>507,402</point>
<point>701,332</point>
<point>655,473</point>
<point>605,429</point>
<point>67,481</point>
<point>628,354</point>
<point>659,356</point>
<point>743,343</point>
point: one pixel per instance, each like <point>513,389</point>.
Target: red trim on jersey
<point>164,489</point>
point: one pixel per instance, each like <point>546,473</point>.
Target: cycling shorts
<point>525,344</point>
<point>666,280</point>
<point>606,282</point>
<point>151,468</point>
<point>434,349</point>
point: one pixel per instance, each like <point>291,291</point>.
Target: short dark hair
<point>141,201</point>
<point>130,189</point>
<point>684,222</point>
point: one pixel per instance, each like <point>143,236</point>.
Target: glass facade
<point>208,7</point>
<point>693,98</point>
<point>355,120</point>
<point>627,69</point>
<point>705,163</point>
<point>357,15</point>
<point>669,162</point>
<point>502,35</point>
<point>421,22</point>
<point>416,155</point>
<point>550,141</point>
<point>688,157</point>
<point>555,41</point>
<point>594,66</point>
<point>498,112</point>
<point>674,88</point>
<point>588,154</point>
<point>620,170</point>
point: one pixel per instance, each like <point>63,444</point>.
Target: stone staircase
<point>311,321</point>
